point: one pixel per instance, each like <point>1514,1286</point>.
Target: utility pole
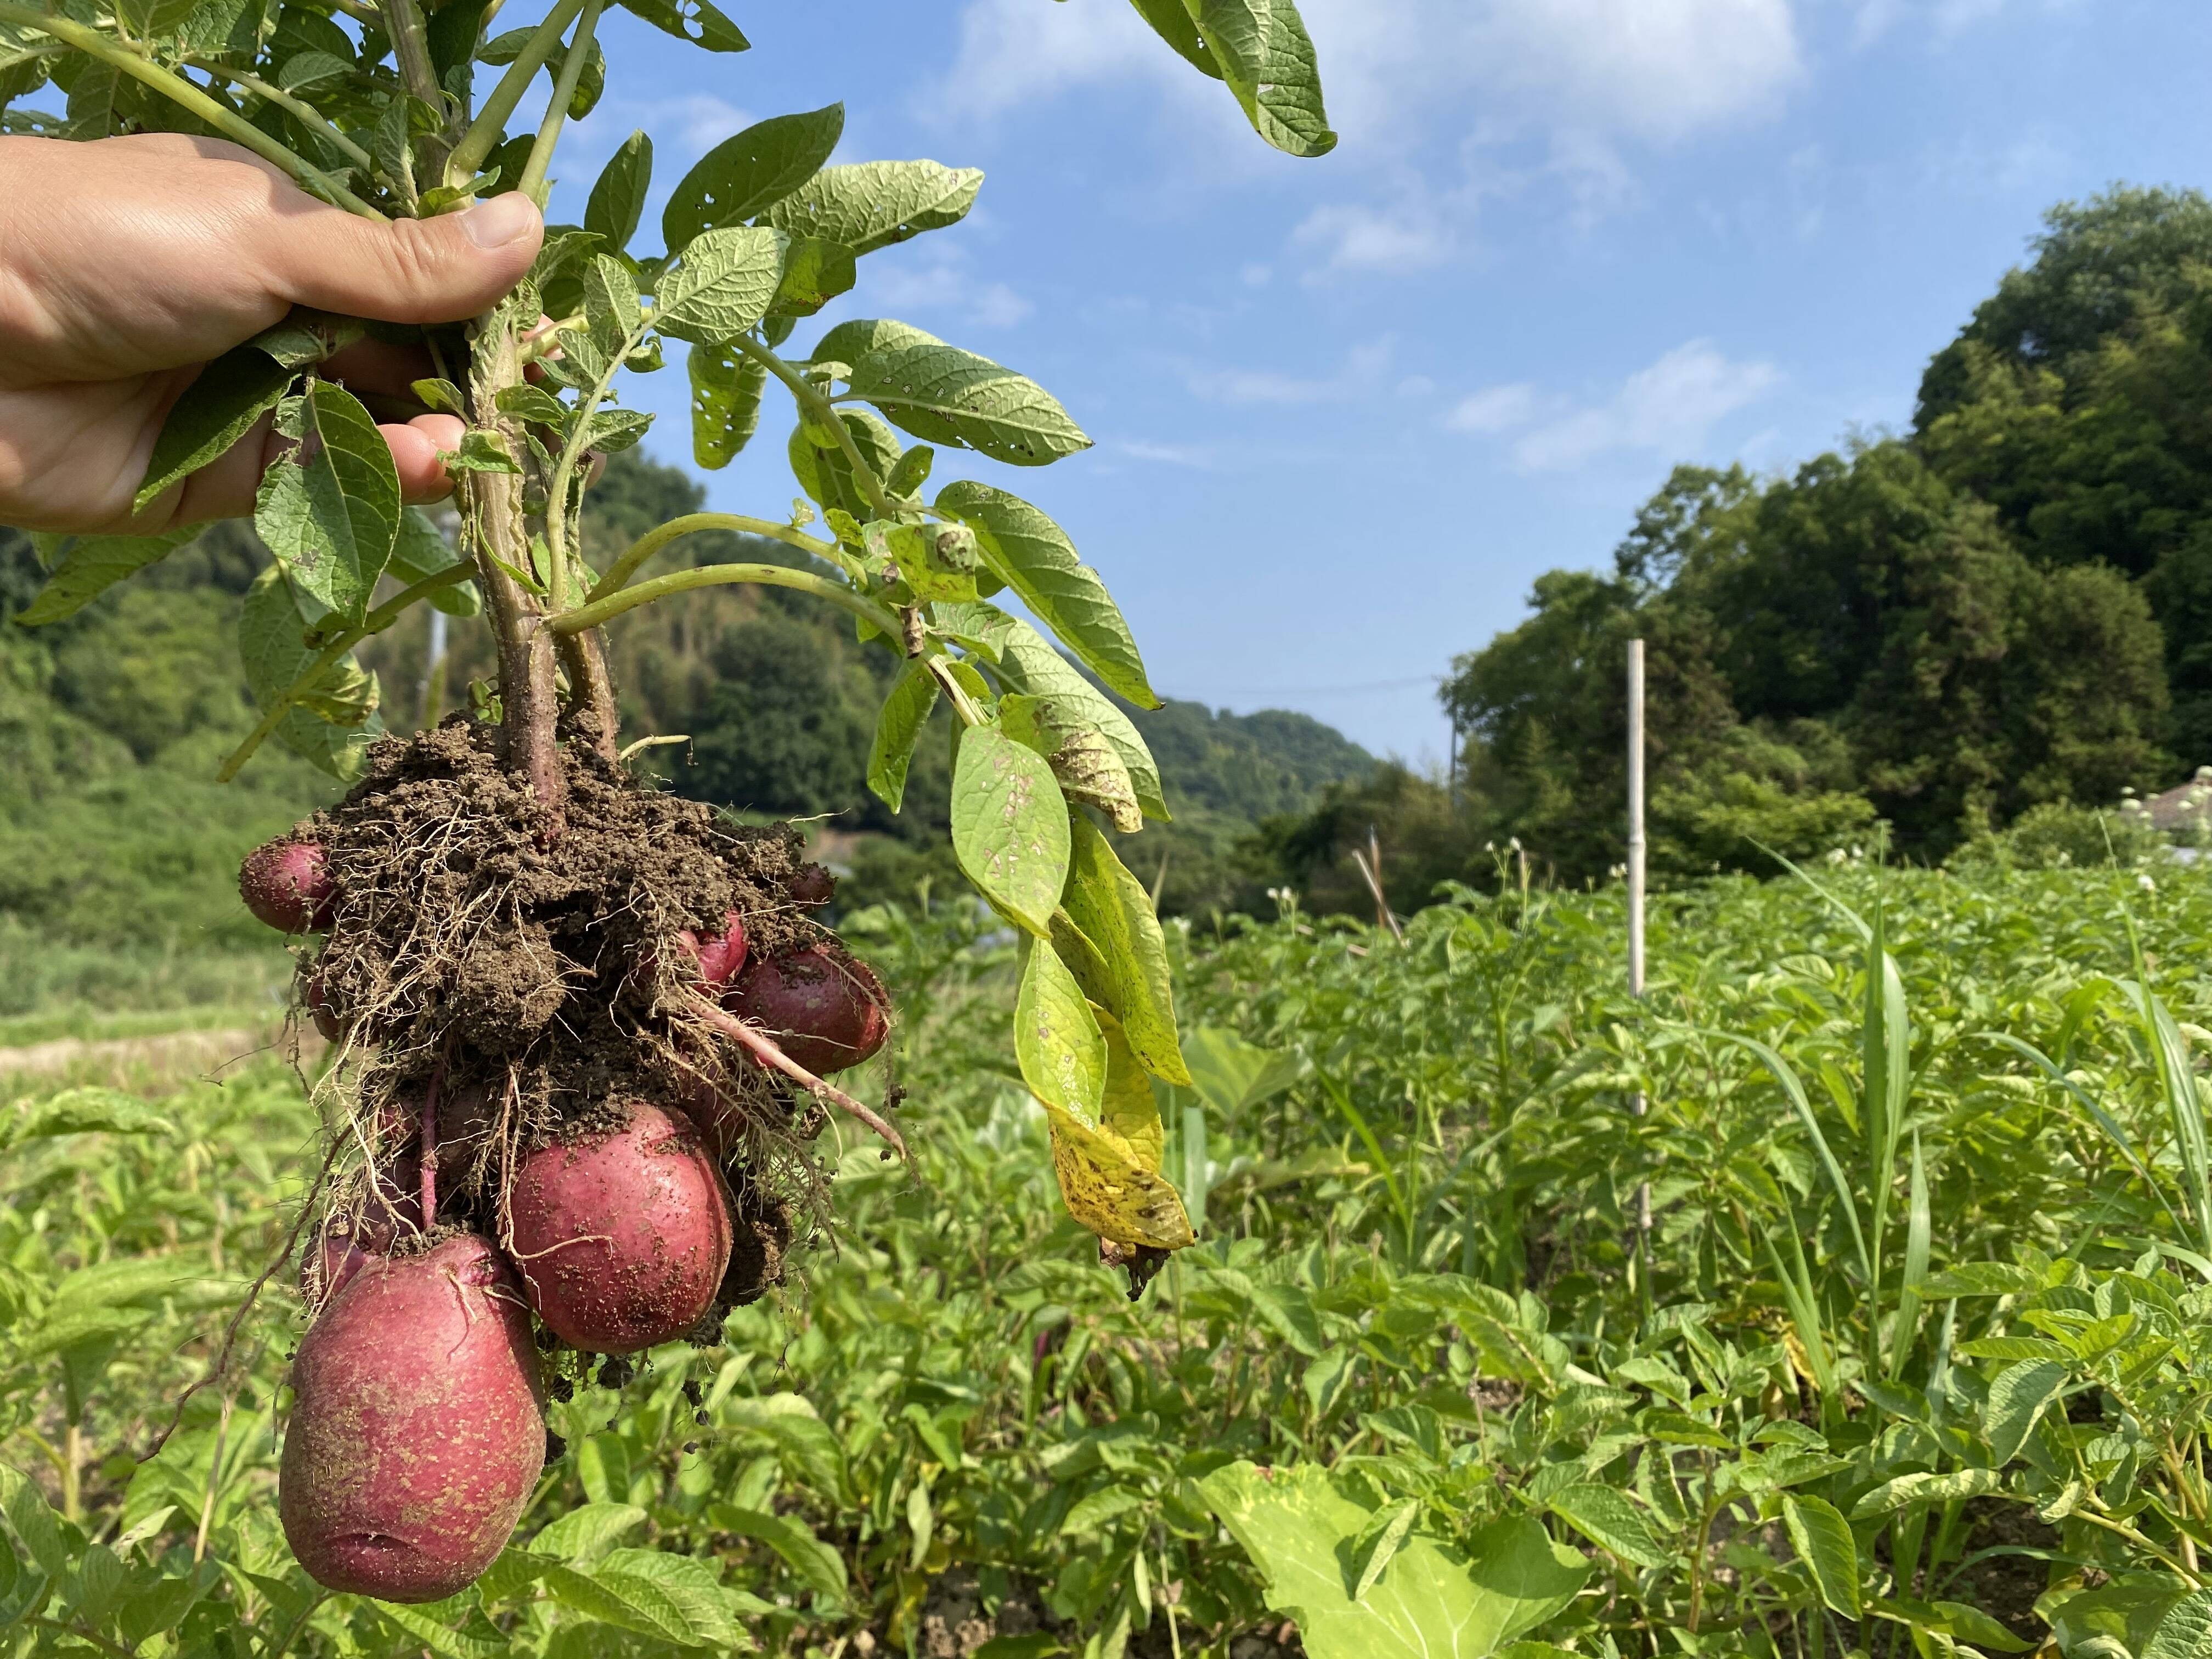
<point>1637,1103</point>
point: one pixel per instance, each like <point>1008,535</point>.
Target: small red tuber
<point>825,1009</point>
<point>287,884</point>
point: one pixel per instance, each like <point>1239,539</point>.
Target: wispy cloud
<point>936,278</point>
<point>1365,368</point>
<point>1672,405</point>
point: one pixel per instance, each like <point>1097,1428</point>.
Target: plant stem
<point>178,90</point>
<point>529,695</point>
<point>375,623</point>
<point>564,90</point>
<point>812,399</point>
<point>410,49</point>
<point>305,113</point>
<point>485,132</point>
<point>691,524</point>
<point>711,575</point>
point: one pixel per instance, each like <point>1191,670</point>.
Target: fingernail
<point>501,220</point>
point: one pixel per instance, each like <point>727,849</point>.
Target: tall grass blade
<point>1918,1229</point>
<point>1794,1089</point>
<point>2103,1119</point>
<point>1796,1282</point>
<point>2177,1082</point>
<point>1886,1059</point>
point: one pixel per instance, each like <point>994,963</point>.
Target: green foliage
<point>1466,1408</point>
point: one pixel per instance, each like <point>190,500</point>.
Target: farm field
<point>1912,1359</point>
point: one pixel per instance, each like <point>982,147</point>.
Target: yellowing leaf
<point>1109,1193</point>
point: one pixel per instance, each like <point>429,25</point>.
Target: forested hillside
<point>2009,605</point>
<point>112,722</point>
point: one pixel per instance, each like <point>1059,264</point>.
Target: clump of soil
<point>532,985</point>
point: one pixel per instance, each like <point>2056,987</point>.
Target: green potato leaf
<point>617,198</point>
<point>906,711</point>
<point>1111,910</point>
<point>1433,1603</point>
<point>873,204</point>
<point>216,409</point>
<point>90,565</point>
<point>1823,1541</point>
<point>330,511</point>
<point>723,285</point>
<point>945,395</point>
<point>744,176</point>
<point>1057,1040</point>
<point>1010,826</point>
<point>1036,557</point>
<point>333,725</point>
<point>1263,50</point>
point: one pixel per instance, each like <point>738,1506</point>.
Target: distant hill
<point>132,702</point>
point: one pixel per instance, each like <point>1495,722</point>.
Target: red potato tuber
<point>811,886</point>
<point>621,1240</point>
<point>316,1000</point>
<point>824,1008</point>
<point>418,1429</point>
<point>720,958</point>
<point>287,884</point>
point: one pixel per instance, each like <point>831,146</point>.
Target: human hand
<point>126,265</point>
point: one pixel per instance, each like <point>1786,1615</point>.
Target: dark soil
<point>536,987</point>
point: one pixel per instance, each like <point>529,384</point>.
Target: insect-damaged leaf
<point>949,396</point>
<point>726,388</point>
<point>1034,557</point>
<point>1089,768</point>
<point>876,204</point>
<point>1057,1041</point>
<point>1110,1191</point>
<point>743,176</point>
<point>1010,826</point>
<point>330,511</point>
<point>815,272</point>
<point>699,22</point>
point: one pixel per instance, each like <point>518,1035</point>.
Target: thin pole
<point>1636,922</point>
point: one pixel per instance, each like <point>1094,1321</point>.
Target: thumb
<point>409,270</point>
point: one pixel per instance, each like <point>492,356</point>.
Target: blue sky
<point>1347,408</point>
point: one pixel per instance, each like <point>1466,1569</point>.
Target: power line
<point>1314,690</point>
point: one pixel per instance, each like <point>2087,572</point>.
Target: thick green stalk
<point>375,623</point>
<point>307,114</point>
<point>178,90</point>
<point>484,132</point>
<point>812,399</point>
<point>691,524</point>
<point>564,92</point>
<point>711,575</point>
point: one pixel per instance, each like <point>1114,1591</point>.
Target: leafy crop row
<point>1912,1367</point>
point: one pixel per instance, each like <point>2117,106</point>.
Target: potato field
<point>1910,1359</point>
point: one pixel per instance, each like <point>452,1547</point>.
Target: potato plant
<point>583,1030</point>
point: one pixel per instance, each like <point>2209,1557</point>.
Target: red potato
<point>825,1009</point>
<point>316,999</point>
<point>287,884</point>
<point>620,1241</point>
<point>811,886</point>
<point>719,958</point>
<point>418,1429</point>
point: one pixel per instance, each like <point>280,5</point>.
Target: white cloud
<point>1494,410</point>
<point>1670,405</point>
<point>1358,238</point>
<point>935,277</point>
<point>1190,455</point>
<point>1577,82</point>
<point>1365,366</point>
<point>1654,70</point>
